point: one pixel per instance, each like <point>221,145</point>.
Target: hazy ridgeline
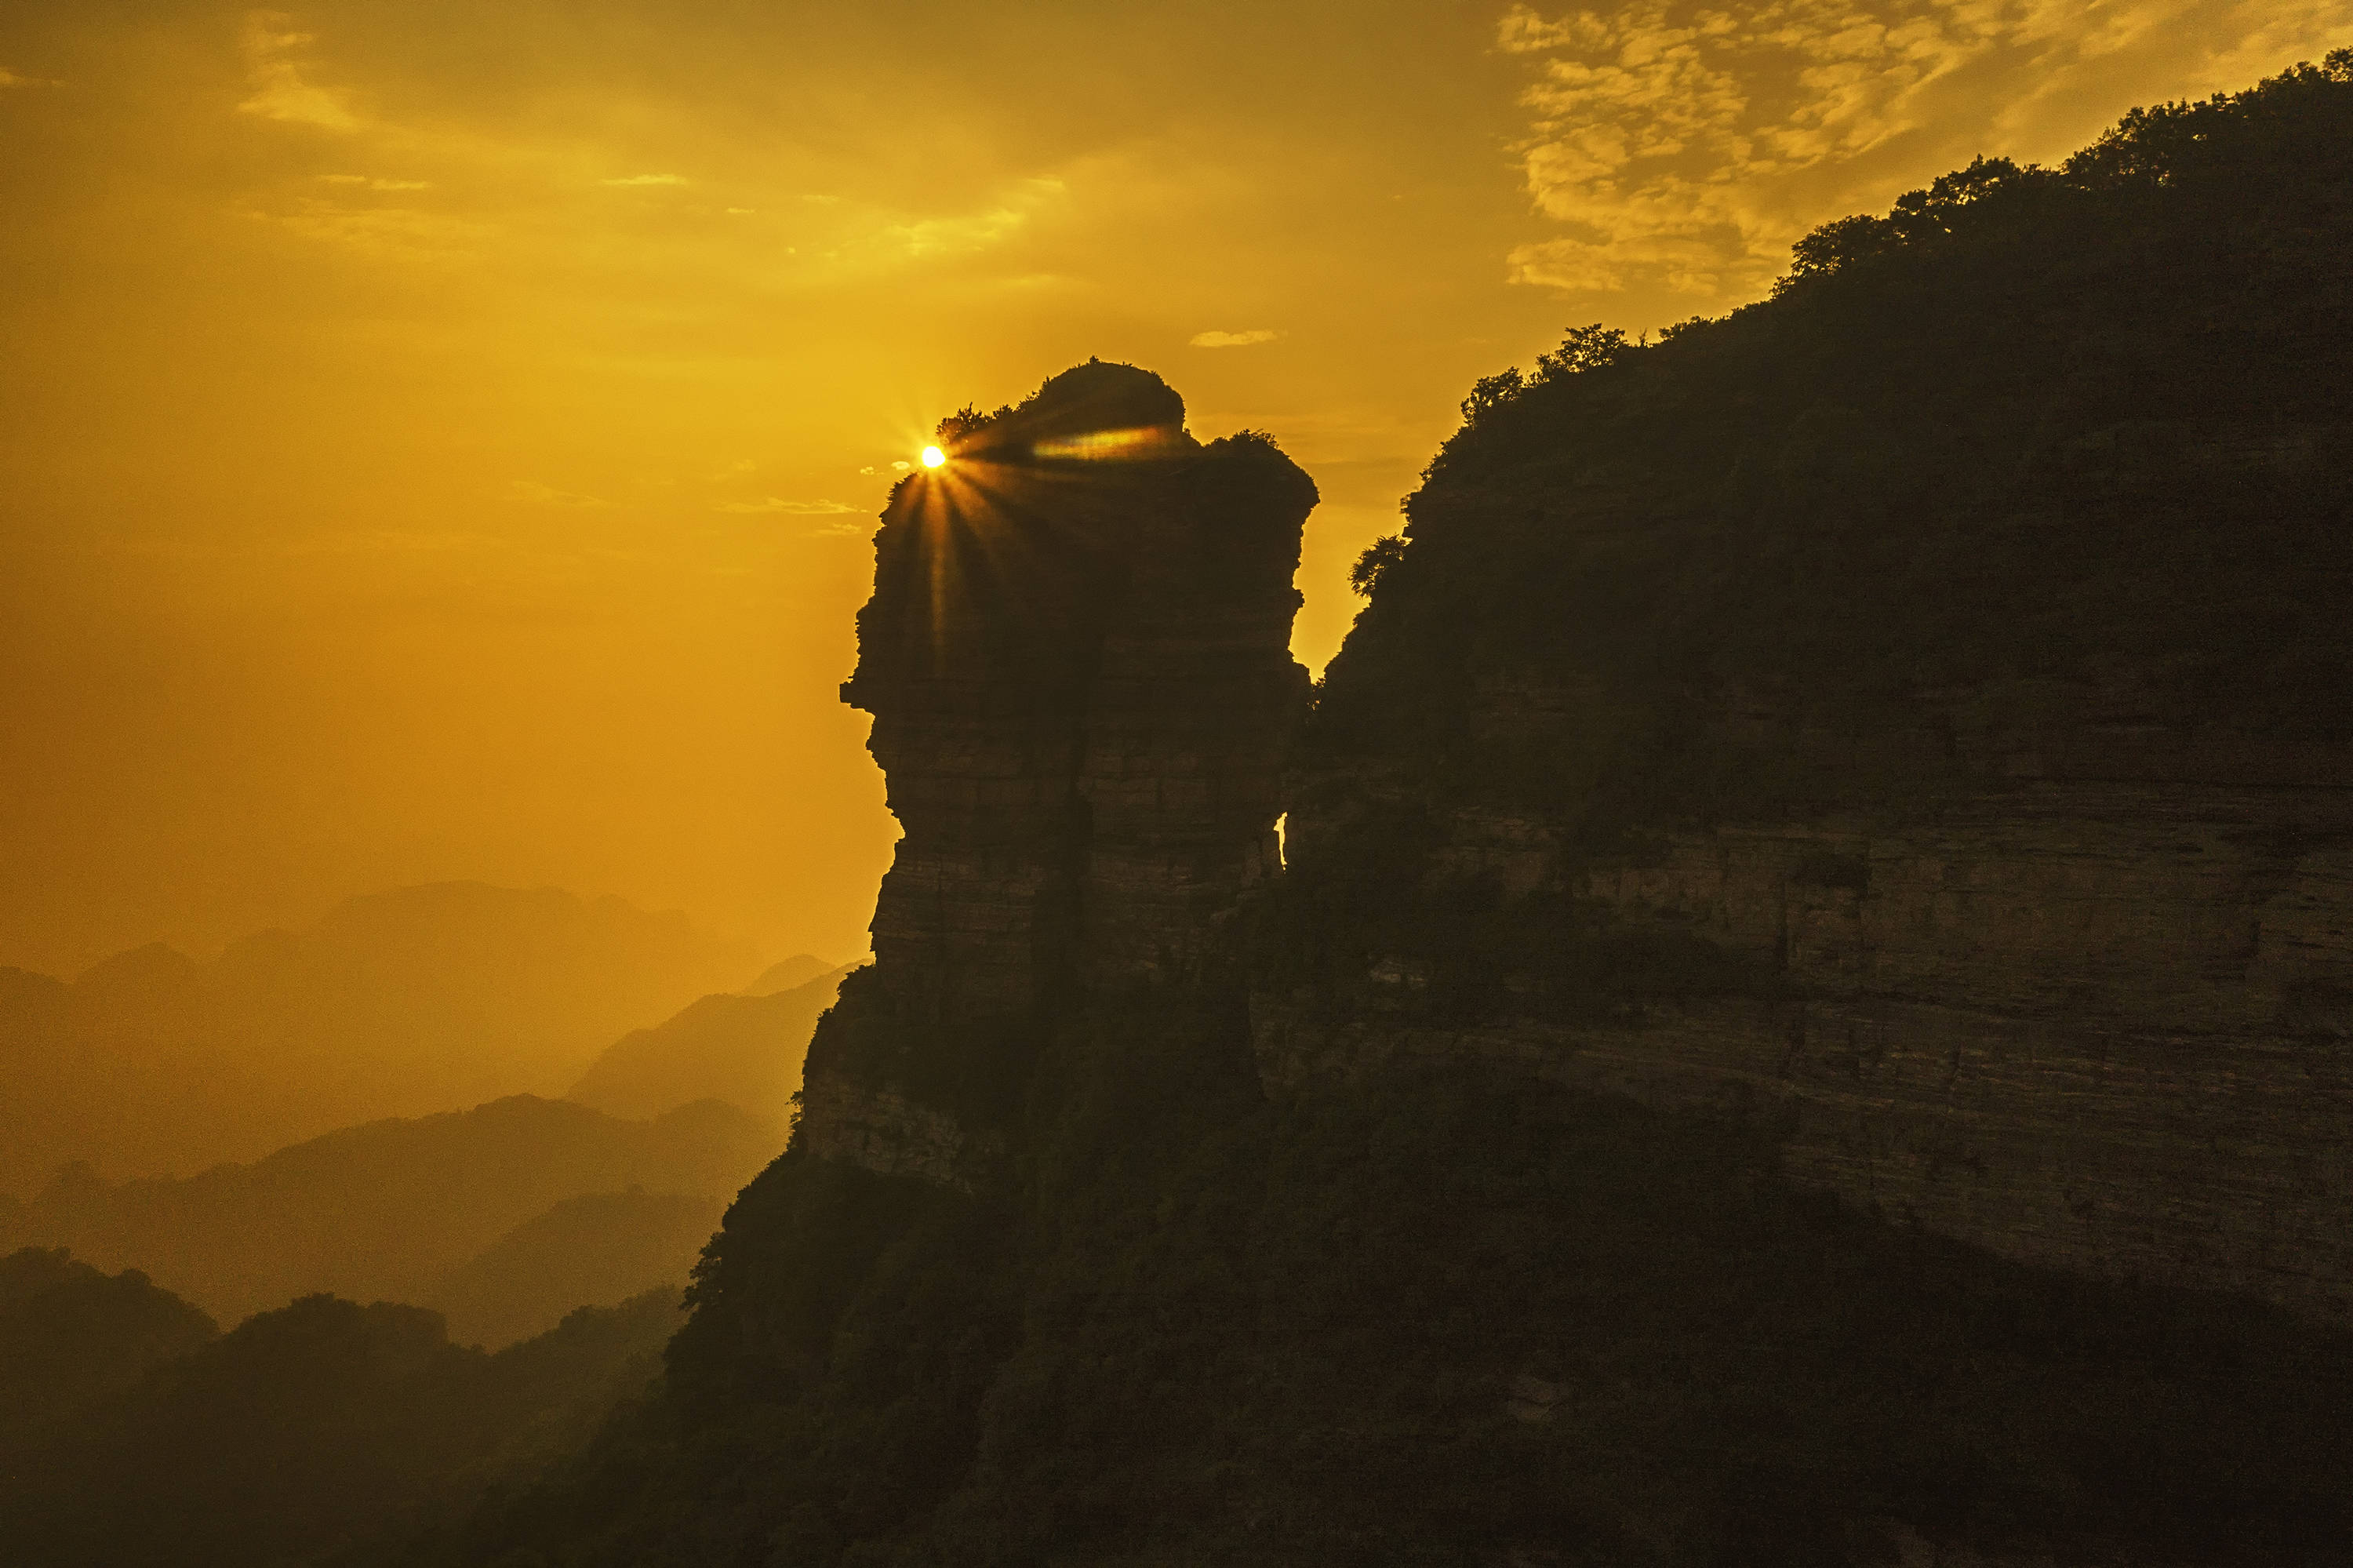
<point>404,1003</point>
<point>473,1212</point>
<point>745,1050</point>
<point>507,1214</point>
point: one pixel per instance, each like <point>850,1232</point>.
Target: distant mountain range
<point>593,1250</point>
<point>507,1215</point>
<point>398,1004</point>
<point>745,1050</point>
<point>138,1103</point>
<point>789,974</point>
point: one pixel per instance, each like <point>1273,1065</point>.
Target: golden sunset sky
<point>442,440</point>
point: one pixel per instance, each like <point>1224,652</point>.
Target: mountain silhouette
<point>70,1336</point>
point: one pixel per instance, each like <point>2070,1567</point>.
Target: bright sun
<point>934,457</point>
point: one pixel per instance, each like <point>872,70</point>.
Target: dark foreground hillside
<point>132,1435</point>
<point>1434,1320</point>
<point>70,1336</point>
<point>1355,1242</point>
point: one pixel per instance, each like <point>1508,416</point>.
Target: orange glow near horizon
<point>443,442</point>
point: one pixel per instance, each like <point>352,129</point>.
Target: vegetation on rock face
<point>2075,427</point>
<point>2041,460</point>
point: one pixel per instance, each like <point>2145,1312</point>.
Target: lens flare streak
<point>1106,445</point>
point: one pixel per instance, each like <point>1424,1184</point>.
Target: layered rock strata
<point>2090,1012</point>
<point>1077,656</point>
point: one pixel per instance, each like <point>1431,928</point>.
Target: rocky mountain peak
<point>1078,660</point>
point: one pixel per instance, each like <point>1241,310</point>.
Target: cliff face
<point>1914,716</point>
<point>2093,1024</point>
<point>1078,660</point>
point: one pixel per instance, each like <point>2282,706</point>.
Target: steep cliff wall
<point>1913,715</point>
<point>2095,1024</point>
<point>1078,660</point>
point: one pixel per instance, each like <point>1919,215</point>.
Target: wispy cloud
<point>274,65</point>
<point>538,495</point>
<point>646,180</point>
<point>396,541</point>
<point>369,181</point>
<point>1233,339</point>
<point>771,503</point>
<point>1686,143</point>
<point>952,236</point>
<point>383,231</point>
<point>961,233</point>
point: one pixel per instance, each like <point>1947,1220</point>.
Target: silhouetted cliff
<point>1915,714</point>
<point>1802,1024</point>
<point>1078,660</point>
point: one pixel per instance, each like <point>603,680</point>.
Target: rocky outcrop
<point>1078,660</point>
<point>1911,714</point>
